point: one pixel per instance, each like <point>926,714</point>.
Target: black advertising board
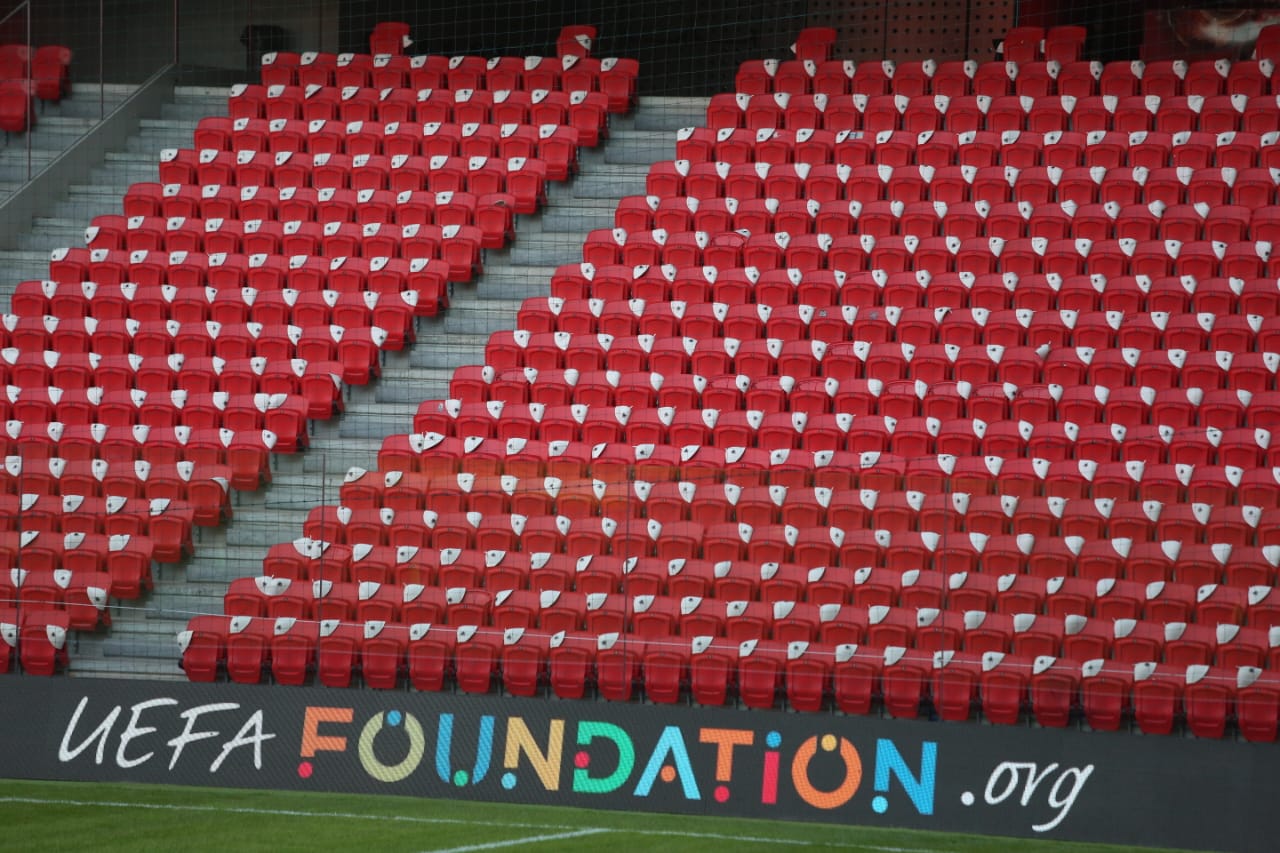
<point>966,777</point>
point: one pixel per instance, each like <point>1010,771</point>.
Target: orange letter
<point>312,740</point>
<point>725,740</point>
<point>852,772</point>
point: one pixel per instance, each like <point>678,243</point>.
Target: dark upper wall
<point>121,41</point>
<point>683,47</point>
<point>125,41</point>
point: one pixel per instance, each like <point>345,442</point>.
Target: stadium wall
<point>1054,784</point>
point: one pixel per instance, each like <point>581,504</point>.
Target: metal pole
<point>102,82</point>
<point>30,102</point>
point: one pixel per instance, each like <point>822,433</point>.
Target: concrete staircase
<point>58,126</point>
<point>104,191</point>
<point>141,642</point>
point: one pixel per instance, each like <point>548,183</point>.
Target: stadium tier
<point>923,388</point>
<point>930,388</point>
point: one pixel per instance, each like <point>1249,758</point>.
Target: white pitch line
<point>276,812</point>
<point>714,836</point>
<point>248,810</point>
<point>532,839</point>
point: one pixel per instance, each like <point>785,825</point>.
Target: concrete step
<point>51,233</point>
<point>375,424</point>
<point>511,283</point>
<point>19,166</point>
<point>169,127</point>
<point>118,175</point>
<point>412,386</point>
<point>150,141</point>
<point>53,133</point>
<point>626,180</point>
<point>551,251</point>
<point>150,670</point>
<point>481,318</point>
<point>21,265</point>
<point>193,109</point>
<point>584,215</point>
<point>640,147</point>
<point>88,100</point>
<point>441,351</point>
<point>654,112</point>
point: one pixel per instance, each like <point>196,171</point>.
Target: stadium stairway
<point>58,126</point>
<point>141,643</point>
<point>104,191</point>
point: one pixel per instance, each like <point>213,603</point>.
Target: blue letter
<point>671,743</point>
<point>484,749</point>
<point>918,788</point>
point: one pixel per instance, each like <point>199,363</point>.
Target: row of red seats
<point>1200,564</point>
<point>121,278</point>
<point>1077,370</point>
<point>370,501</point>
<point>285,415</point>
<point>585,112</point>
<point>557,145</point>
<point>1059,596</point>
<point>1044,421</point>
<point>883,359</point>
<point>82,596</point>
<point>979,149</point>
<point>974,113</point>
<point>1145,537</point>
<point>657,617</point>
<point>1051,445</point>
<point>1019,149</point>
<point>318,383</point>
<point>613,76</point>
<point>343,224</point>
<point>811,676</point>
<point>167,523</point>
<point>273,208</point>
<point>246,454</point>
<point>955,185</point>
<point>69,303</point>
<point>330,239</point>
<point>617,284</point>
<point>1033,78</point>
<point>454,497</point>
<point>1184,223</point>
<point>524,180</point>
<point>125,558</point>
<point>203,486</point>
<point>694,251</point>
<point>356,348</point>
<point>977,475</point>
<point>765,308</point>
<point>1228,344</point>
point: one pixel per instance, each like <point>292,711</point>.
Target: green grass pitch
<point>104,818</point>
